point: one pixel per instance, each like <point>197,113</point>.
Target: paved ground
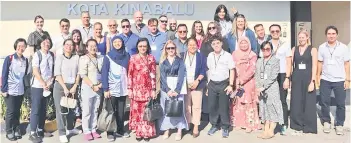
<point>235,136</point>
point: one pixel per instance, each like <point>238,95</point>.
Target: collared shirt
<point>86,33</point>
<point>135,30</point>
<point>333,59</point>
<point>57,41</point>
<point>91,68</point>
<point>182,47</point>
<point>67,67</point>
<point>219,65</point>
<point>157,43</point>
<point>12,75</point>
<point>130,40</point>
<point>190,64</point>
<point>283,52</point>
<point>45,67</point>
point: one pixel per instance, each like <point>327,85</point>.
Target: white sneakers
<point>63,139</point>
<point>74,131</point>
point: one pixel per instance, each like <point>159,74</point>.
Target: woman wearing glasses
<point>241,29</point>
<point>90,71</point>
<point>67,81</point>
<point>213,30</point>
<point>197,32</point>
<point>141,88</point>
<point>172,66</point>
<point>267,90</point>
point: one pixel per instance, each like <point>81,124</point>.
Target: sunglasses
<point>182,31</point>
<point>276,31</point>
<point>163,21</point>
<point>211,28</point>
<point>170,48</point>
<point>125,26</point>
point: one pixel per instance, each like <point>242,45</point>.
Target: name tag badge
<point>153,47</point>
<point>152,75</point>
<point>302,66</point>
<point>331,62</point>
<point>262,75</point>
<point>98,53</point>
<point>98,77</point>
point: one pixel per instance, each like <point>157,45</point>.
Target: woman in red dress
<point>141,88</point>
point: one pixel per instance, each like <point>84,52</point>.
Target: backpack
<point>40,56</point>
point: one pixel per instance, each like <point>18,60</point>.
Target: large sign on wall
<point>129,8</point>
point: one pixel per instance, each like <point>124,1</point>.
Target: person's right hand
<point>44,85</point>
<point>65,91</point>
<point>96,88</point>
<point>107,94</point>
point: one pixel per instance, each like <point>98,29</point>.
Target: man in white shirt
<point>58,40</point>
<point>221,76</point>
<point>112,27</point>
<point>86,29</point>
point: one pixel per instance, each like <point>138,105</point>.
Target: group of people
<point>239,79</point>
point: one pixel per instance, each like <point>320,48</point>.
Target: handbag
<point>240,92</point>
<point>174,107</point>
<point>68,102</point>
<point>153,111</point>
<point>107,120</point>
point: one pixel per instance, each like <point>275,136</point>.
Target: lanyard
<point>96,64</point>
<point>191,60</point>
<point>87,32</point>
<point>126,38</point>
<point>264,65</point>
<point>331,53</point>
<point>153,38</point>
<point>216,62</point>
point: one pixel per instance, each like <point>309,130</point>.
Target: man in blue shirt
<point>156,38</point>
<point>129,38</point>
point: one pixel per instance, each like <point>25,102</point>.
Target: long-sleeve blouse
<point>176,69</point>
<point>141,77</point>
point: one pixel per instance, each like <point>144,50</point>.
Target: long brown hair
<point>208,35</point>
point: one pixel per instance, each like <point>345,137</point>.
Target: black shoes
<point>35,138</point>
<point>18,134</point>
<point>11,137</point>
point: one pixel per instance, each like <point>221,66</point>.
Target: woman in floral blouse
<point>141,87</point>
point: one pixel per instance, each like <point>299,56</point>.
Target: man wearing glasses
<point>163,20</point>
<point>129,38</point>
<point>112,27</point>
<point>57,41</point>
<point>282,51</point>
<point>180,42</point>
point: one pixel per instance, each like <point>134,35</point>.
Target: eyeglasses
<point>276,31</point>
<point>211,28</point>
<point>182,31</point>
<point>170,48</point>
<point>125,26</point>
<point>163,21</point>
<point>114,25</point>
<point>266,50</point>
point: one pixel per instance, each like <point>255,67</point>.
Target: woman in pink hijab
<point>244,114</point>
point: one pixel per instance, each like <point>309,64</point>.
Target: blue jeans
<point>340,95</point>
<point>38,109</point>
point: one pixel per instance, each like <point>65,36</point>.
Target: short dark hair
<point>91,40</point>
<point>214,38</point>
<point>43,38</point>
<point>152,20</point>
<point>17,41</point>
<point>265,43</point>
<point>257,25</point>
<point>148,51</point>
<point>280,28</point>
<point>162,16</point>
<point>64,20</point>
<point>38,17</point>
<point>331,27</point>
<point>182,25</point>
<point>69,39</point>
<point>125,20</point>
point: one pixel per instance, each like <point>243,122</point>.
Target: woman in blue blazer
<point>195,64</point>
<point>240,28</point>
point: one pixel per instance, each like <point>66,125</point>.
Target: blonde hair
<point>234,27</point>
<point>304,31</point>
<point>164,53</point>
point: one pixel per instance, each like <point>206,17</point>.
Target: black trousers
<point>283,94</point>
<point>340,96</point>
<point>38,109</point>
<point>218,102</point>
<point>13,113</point>
<point>119,104</point>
